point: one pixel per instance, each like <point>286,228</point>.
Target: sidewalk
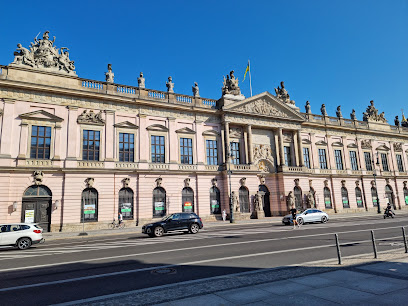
<point>361,280</point>
<point>208,224</point>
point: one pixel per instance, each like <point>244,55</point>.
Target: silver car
<point>308,216</point>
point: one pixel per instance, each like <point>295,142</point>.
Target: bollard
<point>374,246</point>
<point>405,240</point>
<point>338,248</point>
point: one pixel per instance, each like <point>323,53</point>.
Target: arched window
<point>374,196</point>
<point>243,199</point>
<point>344,197</point>
<point>406,195</point>
<point>215,200</point>
<point>327,198</point>
<point>359,197</point>
<point>187,197</point>
<point>159,202</point>
<point>126,203</point>
<point>298,198</point>
<point>37,191</point>
<point>89,209</point>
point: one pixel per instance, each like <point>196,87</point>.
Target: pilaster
<point>110,141</point>
<point>144,147</point>
<point>173,142</point>
<point>72,133</point>
<point>300,149</point>
<point>250,148</point>
<point>7,128</point>
<point>281,155</point>
<point>23,141</point>
<point>199,145</point>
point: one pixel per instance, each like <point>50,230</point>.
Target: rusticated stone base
<point>258,214</point>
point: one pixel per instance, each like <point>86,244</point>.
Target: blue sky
<point>333,52</point>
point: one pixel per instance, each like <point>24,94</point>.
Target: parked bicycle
<point>115,224</point>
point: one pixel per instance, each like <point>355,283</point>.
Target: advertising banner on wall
<point>159,206</point>
<point>29,216</point>
<point>89,209</point>
<point>188,207</point>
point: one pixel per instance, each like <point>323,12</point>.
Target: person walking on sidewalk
<point>120,218</point>
<point>224,215</point>
<point>294,221</point>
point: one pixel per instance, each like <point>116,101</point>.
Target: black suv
<point>174,222</point>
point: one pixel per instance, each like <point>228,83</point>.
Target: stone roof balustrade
<point>92,84</point>
<point>184,98</point>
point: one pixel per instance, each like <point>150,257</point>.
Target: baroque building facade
<point>77,152</point>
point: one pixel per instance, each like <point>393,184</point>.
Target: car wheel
<point>24,243</point>
<point>300,221</point>
<point>158,231</point>
<point>324,219</point>
<point>194,228</point>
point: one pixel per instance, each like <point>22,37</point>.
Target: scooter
<point>388,213</point>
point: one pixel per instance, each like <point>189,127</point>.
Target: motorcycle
<point>388,213</point>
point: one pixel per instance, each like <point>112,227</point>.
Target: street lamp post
<point>375,182</point>
<point>230,190</point>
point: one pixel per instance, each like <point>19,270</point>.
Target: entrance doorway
<point>390,195</point>
<point>266,200</point>
<point>36,206</point>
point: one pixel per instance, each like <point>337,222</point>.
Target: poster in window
<point>29,216</point>
<point>406,199</point>
<point>126,207</point>
<point>214,204</point>
<point>188,206</point>
<point>89,209</point>
<point>159,206</point>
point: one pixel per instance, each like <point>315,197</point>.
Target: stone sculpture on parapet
<point>170,84</point>
<point>141,81</point>
<point>109,75</point>
<point>196,90</point>
<point>283,94</point>
<point>323,110</point>
<point>307,108</point>
<point>371,114</point>
<point>45,56</point>
<point>353,114</point>
<point>230,88</point>
<point>338,112</point>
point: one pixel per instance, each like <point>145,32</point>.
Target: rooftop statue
<point>109,75</point>
<point>141,81</point>
<point>353,114</point>
<point>371,114</point>
<point>396,121</point>
<point>170,85</point>
<point>307,108</point>
<point>196,90</point>
<point>323,110</point>
<point>44,55</point>
<point>282,94</point>
<point>231,85</point>
<point>338,112</point>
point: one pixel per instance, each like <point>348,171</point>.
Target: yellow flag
<point>246,70</point>
<point>403,118</point>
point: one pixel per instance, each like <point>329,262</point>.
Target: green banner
<point>327,202</point>
<point>215,206</point>
<point>406,199</point>
<point>345,202</point>
<point>126,210</point>
<point>159,208</point>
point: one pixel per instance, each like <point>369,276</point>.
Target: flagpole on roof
<point>250,81</point>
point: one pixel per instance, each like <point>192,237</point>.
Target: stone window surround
<point>187,134</point>
<point>127,130</point>
<point>97,128</point>
<point>309,147</point>
<point>166,149</point>
<point>323,145</point>
<point>212,135</point>
<point>241,144</point>
<point>35,122</point>
<point>358,166</point>
<point>293,156</point>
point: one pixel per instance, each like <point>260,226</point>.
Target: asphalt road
<point>70,270</point>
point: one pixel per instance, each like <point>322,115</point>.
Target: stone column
<point>227,139</point>
<point>173,142</point>
<point>200,145</point>
<point>300,149</point>
<point>250,148</point>
<point>295,159</point>
<point>144,148</point>
<point>57,141</point>
<point>23,141</point>
<point>281,155</point>
<point>246,146</point>
<point>72,133</point>
<point>110,141</point>
<point>7,128</point>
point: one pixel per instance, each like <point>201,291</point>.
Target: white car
<point>308,216</point>
<point>20,235</point>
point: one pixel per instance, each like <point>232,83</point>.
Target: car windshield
<point>167,218</point>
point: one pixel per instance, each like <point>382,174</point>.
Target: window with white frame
<point>384,161</point>
<point>157,149</point>
<point>40,142</point>
<point>306,157</point>
<point>186,151</point>
<point>91,145</point>
<point>235,153</point>
<point>322,159</point>
<point>353,160</point>
<point>368,161</point>
<point>126,147</point>
<point>339,159</point>
<point>212,152</point>
<point>400,163</point>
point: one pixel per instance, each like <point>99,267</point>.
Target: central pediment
<point>264,104</point>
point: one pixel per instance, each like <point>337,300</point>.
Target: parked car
<point>308,216</point>
<point>20,235</point>
<point>174,222</point>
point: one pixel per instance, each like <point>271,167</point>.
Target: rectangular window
<point>353,160</point>
<point>40,142</point>
<point>212,153</point>
<point>368,162</point>
<point>399,163</point>
<point>339,159</point>
<point>322,159</point>
<point>384,161</point>
<point>91,144</point>
<point>186,151</point>
<point>306,157</point>
<point>235,153</point>
<point>288,159</point>
<point>157,149</point>
<point>126,147</point>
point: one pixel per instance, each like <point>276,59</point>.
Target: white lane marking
<point>101,246</point>
<point>197,281</point>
